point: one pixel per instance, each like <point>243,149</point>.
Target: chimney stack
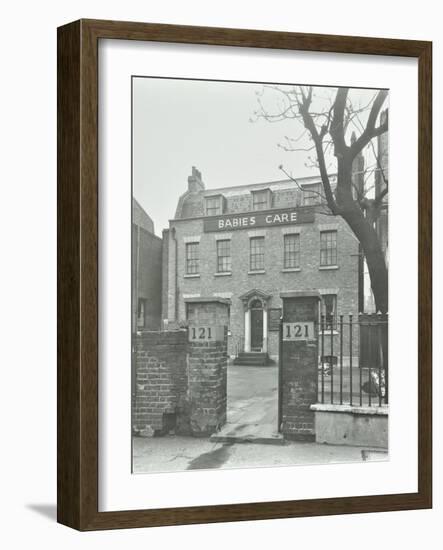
<point>195,182</point>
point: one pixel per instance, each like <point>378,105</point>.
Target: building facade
<point>251,243</point>
<point>146,272</point>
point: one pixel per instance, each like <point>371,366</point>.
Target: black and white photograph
<point>259,274</point>
<point>217,290</point>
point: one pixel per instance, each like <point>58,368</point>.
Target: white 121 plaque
<point>302,330</point>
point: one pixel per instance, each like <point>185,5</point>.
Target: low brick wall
<point>159,402</point>
<point>179,386</point>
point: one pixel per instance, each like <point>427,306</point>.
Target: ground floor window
<point>329,311</point>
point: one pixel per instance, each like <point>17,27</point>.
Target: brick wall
<point>181,386</point>
<point>159,401</point>
<point>207,313</point>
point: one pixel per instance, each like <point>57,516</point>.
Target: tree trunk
<point>373,252</point>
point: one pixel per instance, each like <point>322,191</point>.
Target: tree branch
<point>371,131</point>
<point>308,121</point>
<point>337,125</point>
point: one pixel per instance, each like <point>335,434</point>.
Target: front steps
<point>252,359</point>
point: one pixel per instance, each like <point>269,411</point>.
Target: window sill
<point>327,267</point>
<point>223,274</point>
<point>191,275</point>
<point>257,272</point>
<point>291,269</point>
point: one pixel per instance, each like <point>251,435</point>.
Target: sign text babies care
<point>287,216</point>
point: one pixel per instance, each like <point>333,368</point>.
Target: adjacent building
<point>250,243</point>
<point>146,272</point>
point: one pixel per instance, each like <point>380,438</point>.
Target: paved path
<point>252,406</point>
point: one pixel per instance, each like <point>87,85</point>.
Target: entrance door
<point>256,326</point>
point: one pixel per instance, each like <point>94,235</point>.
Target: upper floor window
<point>311,194</point>
<point>192,259</point>
<point>223,256</point>
<point>328,248</point>
<point>214,205</point>
<point>257,253</point>
<point>291,251</point>
<point>261,200</point>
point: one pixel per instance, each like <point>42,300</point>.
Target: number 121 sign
<point>299,331</point>
<point>206,333</point>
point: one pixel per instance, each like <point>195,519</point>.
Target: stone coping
<point>352,409</point>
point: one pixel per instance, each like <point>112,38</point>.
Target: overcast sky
<point>178,124</point>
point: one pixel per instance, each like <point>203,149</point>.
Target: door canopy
<point>253,296</point>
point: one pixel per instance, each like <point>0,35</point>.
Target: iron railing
<point>353,362</point>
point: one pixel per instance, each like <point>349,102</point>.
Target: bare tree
<point>328,131</point>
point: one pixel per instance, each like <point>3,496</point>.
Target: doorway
<point>256,326</point>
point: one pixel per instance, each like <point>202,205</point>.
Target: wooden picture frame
<point>77,480</point>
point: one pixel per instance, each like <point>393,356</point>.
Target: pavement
<point>244,440</point>
<point>176,453</point>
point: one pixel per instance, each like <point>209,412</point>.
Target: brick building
<point>250,243</point>
<point>146,271</point>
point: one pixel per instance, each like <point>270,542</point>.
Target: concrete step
<point>248,433</point>
<point>247,363</point>
<point>252,358</point>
